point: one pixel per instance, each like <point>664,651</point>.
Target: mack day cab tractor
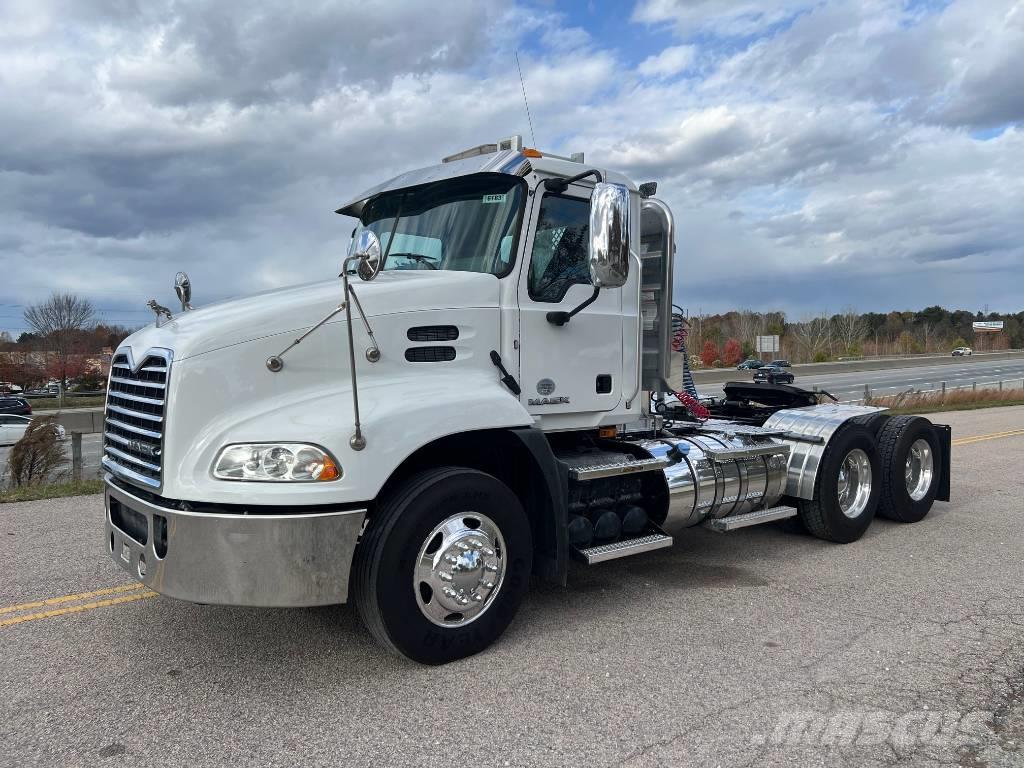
<point>482,396</point>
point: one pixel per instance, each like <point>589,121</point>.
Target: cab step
<point>611,469</point>
<point>726,524</point>
<point>655,539</point>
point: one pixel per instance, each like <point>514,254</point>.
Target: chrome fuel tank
<point>720,474</point>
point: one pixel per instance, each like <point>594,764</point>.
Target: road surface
<point>762,647</point>
<point>850,386</point>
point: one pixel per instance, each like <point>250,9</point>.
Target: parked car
<point>773,374</point>
<point>13,428</point>
<point>15,405</point>
<point>781,363</point>
<point>749,364</point>
<point>7,388</point>
<point>962,351</point>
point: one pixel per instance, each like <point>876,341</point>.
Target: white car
<point>961,351</point>
<point>13,428</point>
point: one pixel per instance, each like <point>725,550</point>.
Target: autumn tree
<point>60,320</point>
<point>732,353</point>
<point>709,354</point>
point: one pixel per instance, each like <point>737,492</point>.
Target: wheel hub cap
<point>919,470</point>
<point>854,488</point>
<point>459,569</point>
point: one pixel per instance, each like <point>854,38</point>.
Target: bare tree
<point>813,334</point>
<point>748,325</point>
<point>851,328</point>
<point>61,319</point>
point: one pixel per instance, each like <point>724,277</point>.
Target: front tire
<point>847,487</point>
<point>444,565</point>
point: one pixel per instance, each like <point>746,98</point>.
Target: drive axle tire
<point>910,455</point>
<point>847,487</point>
<point>443,565</point>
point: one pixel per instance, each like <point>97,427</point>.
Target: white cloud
<point>671,61</point>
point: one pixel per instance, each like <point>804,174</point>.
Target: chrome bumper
<point>255,560</point>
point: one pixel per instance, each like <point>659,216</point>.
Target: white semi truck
<point>482,396</point>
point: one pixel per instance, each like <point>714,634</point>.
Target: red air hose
<point>693,405</point>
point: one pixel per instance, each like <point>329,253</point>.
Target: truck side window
<point>560,248</point>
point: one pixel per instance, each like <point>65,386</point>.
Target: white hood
<point>293,310</point>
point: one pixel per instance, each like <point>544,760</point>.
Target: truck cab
<point>481,395</point>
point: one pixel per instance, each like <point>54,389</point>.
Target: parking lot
<point>759,647</point>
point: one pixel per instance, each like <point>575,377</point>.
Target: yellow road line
<point>130,598</point>
<point>993,436</point>
<point>71,598</point>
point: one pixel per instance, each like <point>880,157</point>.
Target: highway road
<point>762,647</point>
<point>850,386</point>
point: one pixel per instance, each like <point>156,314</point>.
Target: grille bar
<point>133,383</point>
<point>134,417</point>
<point>130,428</point>
<point>129,412</point>
<point>135,398</point>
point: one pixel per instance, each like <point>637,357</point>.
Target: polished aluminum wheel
<point>459,569</point>
<point>920,469</point>
<point>854,483</point>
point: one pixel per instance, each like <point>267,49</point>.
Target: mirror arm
<point>561,318</point>
<point>558,186</point>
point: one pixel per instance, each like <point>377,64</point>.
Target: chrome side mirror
<point>183,287</point>
<point>609,235</point>
<point>367,250</point>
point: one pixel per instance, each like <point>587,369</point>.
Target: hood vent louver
<point>433,333</point>
<point>430,354</point>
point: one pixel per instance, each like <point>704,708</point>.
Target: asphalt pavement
<point>760,647</point>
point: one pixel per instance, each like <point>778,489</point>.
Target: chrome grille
<point>134,417</point>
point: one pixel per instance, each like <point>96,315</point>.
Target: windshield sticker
<point>494,199</point>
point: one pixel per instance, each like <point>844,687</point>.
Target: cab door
<point>577,367</point>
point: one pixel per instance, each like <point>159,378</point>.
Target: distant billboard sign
<point>767,344</point>
<point>988,325</point>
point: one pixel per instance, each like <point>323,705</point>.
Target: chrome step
<point>720,457</point>
<point>726,524</point>
<point>595,471</point>
<point>624,548</point>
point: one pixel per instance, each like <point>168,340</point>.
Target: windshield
<point>467,224</point>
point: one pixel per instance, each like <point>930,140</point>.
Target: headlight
<point>276,463</point>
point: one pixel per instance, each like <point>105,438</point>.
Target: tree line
<point>63,344</point>
<point>728,338</point>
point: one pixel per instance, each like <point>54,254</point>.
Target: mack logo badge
<point>545,387</point>
<point>548,400</point>
<point>144,448</point>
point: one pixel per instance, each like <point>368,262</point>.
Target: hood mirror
<point>367,250</point>
<point>609,235</point>
<point>183,287</point>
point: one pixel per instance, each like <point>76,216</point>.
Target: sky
<point>817,155</point>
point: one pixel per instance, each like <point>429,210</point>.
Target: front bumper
<point>233,559</point>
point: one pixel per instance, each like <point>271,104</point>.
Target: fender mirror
<point>609,235</point>
<point>367,250</point>
<point>183,287</point>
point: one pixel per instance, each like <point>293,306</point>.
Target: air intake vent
<point>433,333</point>
<point>430,354</point>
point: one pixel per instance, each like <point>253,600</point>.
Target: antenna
<point>523,84</point>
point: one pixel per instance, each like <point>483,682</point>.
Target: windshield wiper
<point>419,258</point>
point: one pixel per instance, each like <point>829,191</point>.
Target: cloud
<point>671,61</point>
<point>796,141</point>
